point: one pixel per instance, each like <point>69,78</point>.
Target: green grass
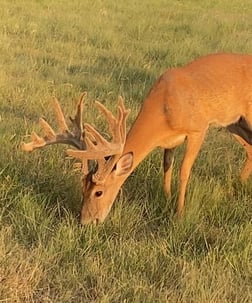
<point>140,254</point>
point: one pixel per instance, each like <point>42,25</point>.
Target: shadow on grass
<point>110,72</point>
<point>44,177</point>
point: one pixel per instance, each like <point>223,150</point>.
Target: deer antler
<point>98,148</point>
<point>65,136</point>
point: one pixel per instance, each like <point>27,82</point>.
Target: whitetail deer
<point>182,104</point>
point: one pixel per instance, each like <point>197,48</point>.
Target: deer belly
<point>172,141</point>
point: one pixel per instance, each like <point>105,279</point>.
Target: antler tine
<point>60,117</point>
<point>112,121</point>
<point>125,114</point>
<point>77,120</point>
<point>50,134</point>
<point>64,136</point>
<point>35,143</point>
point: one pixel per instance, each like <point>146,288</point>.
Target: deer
<point>212,90</point>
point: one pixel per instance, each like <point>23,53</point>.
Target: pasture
<point>141,253</point>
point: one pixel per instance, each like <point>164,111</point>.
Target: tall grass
<point>140,254</point>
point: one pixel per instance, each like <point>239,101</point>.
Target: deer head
<point>101,184</point>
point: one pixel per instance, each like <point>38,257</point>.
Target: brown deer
<point>182,104</point>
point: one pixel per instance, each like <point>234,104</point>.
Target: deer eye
<point>98,193</point>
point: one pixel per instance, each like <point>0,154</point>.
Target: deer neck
<point>140,139</point>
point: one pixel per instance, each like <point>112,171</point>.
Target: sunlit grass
<point>141,253</point>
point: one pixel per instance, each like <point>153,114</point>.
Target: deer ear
<point>124,164</point>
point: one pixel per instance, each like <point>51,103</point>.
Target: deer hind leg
<point>167,164</point>
<point>247,168</point>
<point>194,143</point>
<point>242,132</point>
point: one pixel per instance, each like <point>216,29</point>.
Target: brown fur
<point>182,104</point>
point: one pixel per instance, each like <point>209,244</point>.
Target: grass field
<point>140,254</point>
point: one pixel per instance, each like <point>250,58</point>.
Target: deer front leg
<point>167,165</point>
<point>192,149</point>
